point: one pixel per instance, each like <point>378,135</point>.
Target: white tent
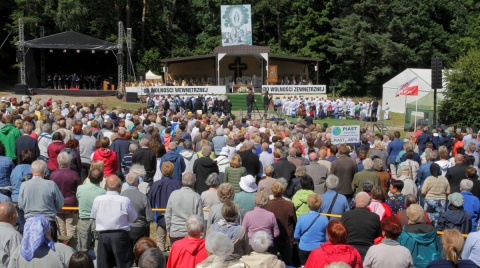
<point>398,104</point>
<point>150,75</point>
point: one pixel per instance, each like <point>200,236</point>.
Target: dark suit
<point>121,147</point>
<point>363,227</point>
<point>455,175</point>
<point>147,158</point>
<point>26,142</point>
<point>422,142</point>
<point>251,162</point>
<point>284,168</point>
<point>202,167</point>
<point>344,168</point>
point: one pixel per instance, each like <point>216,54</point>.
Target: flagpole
<point>406,96</point>
<point>416,109</point>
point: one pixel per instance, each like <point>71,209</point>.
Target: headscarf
<point>34,236</point>
<point>219,244</point>
<point>435,170</point>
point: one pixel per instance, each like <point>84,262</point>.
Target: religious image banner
<point>236,25</point>
<point>187,90</point>
<point>295,89</point>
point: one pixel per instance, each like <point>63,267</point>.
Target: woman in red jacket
<point>53,150</point>
<point>335,250</point>
<point>107,156</point>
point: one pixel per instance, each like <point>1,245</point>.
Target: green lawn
<point>239,101</point>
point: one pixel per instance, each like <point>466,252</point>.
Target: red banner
<point>410,88</point>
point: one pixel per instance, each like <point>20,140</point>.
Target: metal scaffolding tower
<point>129,49</point>
<point>21,51</point>
<point>120,58</point>
<point>42,61</point>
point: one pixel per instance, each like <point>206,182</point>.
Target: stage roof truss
<point>70,40</point>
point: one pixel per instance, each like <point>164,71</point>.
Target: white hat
<point>224,151</point>
<point>3,99</point>
<point>129,117</point>
<point>122,115</point>
<point>247,183</point>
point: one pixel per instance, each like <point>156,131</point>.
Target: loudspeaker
<point>21,89</point>
<point>132,97</point>
<point>437,79</point>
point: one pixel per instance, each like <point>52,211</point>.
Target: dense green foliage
<point>363,42</point>
<point>461,106</point>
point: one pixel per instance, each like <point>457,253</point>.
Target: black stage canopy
<point>68,53</point>
<point>70,40</point>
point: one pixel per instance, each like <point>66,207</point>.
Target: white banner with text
<point>295,89</point>
<point>160,90</point>
<point>345,134</point>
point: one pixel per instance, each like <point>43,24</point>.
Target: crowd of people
<point>226,192</point>
<point>319,108</point>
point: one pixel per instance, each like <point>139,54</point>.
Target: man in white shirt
<point>113,214</point>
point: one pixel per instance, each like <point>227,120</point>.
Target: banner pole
<point>416,109</point>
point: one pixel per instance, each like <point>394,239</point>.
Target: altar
<point>242,88</point>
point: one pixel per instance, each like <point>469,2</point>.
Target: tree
<point>461,106</point>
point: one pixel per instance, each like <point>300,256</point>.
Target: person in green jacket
<point>8,135</point>
<point>420,238</point>
<point>234,172</point>
<point>300,197</point>
<point>366,174</point>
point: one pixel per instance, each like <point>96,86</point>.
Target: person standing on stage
<point>250,102</point>
<point>266,102</point>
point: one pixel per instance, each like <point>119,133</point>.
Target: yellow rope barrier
<point>207,209</point>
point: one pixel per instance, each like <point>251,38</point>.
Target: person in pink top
<point>260,219</point>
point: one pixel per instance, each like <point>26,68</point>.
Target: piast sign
<point>345,134</point>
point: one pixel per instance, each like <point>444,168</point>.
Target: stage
<point>80,92</point>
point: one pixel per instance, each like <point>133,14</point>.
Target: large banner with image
<point>236,23</point>
<point>165,90</point>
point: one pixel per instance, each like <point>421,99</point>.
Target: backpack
<point>150,102</point>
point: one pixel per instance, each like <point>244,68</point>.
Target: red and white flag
<point>410,88</point>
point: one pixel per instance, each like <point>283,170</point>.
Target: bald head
<point>114,183</point>
<point>313,156</point>
<point>8,213</point>
<point>121,132</point>
<point>322,153</point>
<point>362,200</point>
<point>292,151</point>
<point>265,147</point>
<point>459,159</point>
